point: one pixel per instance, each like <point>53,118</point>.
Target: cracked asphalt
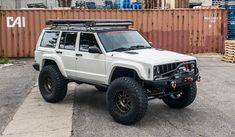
<point>211,115</point>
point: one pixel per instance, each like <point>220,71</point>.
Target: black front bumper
<point>168,82</point>
<point>183,78</point>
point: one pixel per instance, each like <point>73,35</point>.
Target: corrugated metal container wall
<point>184,30</point>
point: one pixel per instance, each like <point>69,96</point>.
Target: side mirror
<point>151,43</point>
<point>94,49</point>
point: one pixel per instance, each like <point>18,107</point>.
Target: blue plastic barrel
<point>137,5</point>
<point>124,4</point>
<point>231,7</point>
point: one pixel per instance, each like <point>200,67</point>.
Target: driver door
<point>90,66</point>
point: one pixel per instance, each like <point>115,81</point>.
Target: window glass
<point>114,40</point>
<point>87,40</point>
<point>68,40</point>
<point>49,39</point>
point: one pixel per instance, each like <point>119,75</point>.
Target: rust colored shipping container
<point>183,30</point>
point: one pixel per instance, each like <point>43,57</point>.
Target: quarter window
<point>68,40</point>
<point>49,39</point>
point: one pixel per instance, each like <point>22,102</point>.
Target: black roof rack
<point>88,23</point>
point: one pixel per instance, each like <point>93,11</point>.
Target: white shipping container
<point>8,4</point>
<point>48,3</point>
<point>204,2</point>
<point>13,4</point>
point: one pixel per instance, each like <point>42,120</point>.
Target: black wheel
<point>102,89</point>
<point>185,96</point>
<point>52,84</point>
<point>126,100</point>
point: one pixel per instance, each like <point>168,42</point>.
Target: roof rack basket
<point>88,23</point>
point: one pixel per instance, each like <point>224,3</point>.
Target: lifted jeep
<point>116,59</point>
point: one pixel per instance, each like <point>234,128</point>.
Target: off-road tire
<point>189,93</point>
<point>137,96</point>
<point>58,89</point>
<point>102,89</point>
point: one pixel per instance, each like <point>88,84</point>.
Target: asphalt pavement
<point>211,115</point>
<point>84,114</point>
<point>16,81</point>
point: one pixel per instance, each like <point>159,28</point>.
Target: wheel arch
<point>124,71</point>
<point>142,70</point>
<point>47,60</point>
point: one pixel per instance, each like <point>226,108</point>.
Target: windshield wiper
<point>131,48</point>
<point>121,49</point>
<point>138,47</point>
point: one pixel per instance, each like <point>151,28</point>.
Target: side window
<point>68,40</point>
<point>49,39</point>
<point>87,40</point>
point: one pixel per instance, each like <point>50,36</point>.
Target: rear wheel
<point>126,100</point>
<point>185,96</point>
<point>52,84</point>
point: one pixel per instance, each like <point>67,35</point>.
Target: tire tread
<point>61,84</point>
<point>138,93</point>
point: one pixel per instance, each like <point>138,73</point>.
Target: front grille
<point>161,69</point>
<point>168,67</point>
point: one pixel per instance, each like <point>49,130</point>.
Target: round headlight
<point>156,70</point>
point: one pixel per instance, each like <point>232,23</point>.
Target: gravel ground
<point>211,115</point>
<point>15,83</point>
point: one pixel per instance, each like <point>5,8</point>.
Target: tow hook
<point>199,79</point>
<point>173,84</point>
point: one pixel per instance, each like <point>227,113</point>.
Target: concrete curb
<point>5,65</point>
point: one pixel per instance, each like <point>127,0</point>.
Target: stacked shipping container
<point>184,30</point>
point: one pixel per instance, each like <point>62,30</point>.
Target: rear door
<point>66,50</point>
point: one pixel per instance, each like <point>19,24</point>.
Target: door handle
<point>59,52</point>
<point>79,55</point>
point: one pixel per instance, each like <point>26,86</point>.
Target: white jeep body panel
<point>99,68</point>
<point>143,61</point>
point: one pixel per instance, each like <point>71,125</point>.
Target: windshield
<point>122,41</point>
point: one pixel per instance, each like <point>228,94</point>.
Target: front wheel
<point>126,100</point>
<point>185,96</point>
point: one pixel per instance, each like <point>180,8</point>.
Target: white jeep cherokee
<point>116,59</point>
